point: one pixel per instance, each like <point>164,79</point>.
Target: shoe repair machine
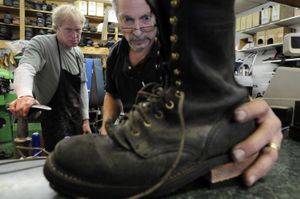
<point>9,140</point>
<point>7,149</point>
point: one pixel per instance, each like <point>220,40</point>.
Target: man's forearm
<point>23,80</point>
<point>111,108</point>
<point>85,101</point>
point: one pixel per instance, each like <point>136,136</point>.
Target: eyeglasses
<point>71,30</point>
<point>127,29</point>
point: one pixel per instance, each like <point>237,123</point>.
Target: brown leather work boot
<point>178,132</point>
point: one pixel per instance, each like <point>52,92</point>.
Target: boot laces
<point>157,95</point>
<point>147,96</point>
<point>152,95</point>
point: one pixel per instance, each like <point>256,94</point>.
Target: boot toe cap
<point>75,155</point>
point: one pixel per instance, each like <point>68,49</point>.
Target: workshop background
<point>266,62</point>
<point>20,20</point>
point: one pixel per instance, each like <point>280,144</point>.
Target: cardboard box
<point>237,24</point>
<point>99,9</point>
<point>242,43</point>
<point>255,19</point>
<point>82,6</point>
<point>260,38</point>
<point>280,12</point>
<point>246,43</point>
<point>248,21</point>
<point>92,8</point>
<point>243,22</point>
<point>296,11</point>
<point>276,35</point>
<point>266,14</point>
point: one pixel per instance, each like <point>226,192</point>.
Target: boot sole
<point>69,185</point>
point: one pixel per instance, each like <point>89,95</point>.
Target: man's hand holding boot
<point>266,140</point>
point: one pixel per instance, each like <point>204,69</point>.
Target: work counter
<point>283,181</point>
<point>25,180</point>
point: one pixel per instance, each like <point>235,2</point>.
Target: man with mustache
<point>52,72</point>
<point>133,62</point>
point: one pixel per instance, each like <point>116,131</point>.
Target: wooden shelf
<point>108,2</point>
<point>23,12</point>
<point>10,24</point>
<point>94,18</point>
<point>92,33</point>
<point>8,8</point>
<point>85,50</point>
<point>94,51</point>
<point>4,43</point>
<point>275,24</point>
<point>259,48</point>
<point>35,11</point>
<point>38,27</point>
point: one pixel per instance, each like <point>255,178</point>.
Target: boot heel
<point>229,170</point>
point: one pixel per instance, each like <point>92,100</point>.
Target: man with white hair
<point>52,72</point>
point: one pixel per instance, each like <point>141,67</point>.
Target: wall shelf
<point>90,17</point>
<point>279,60</point>
<point>38,27</point>
<point>259,48</point>
<point>10,24</point>
<point>4,43</point>
<point>284,22</point>
<point>94,18</point>
<point>94,51</point>
<point>92,33</point>
<point>36,11</point>
<point>8,8</point>
<point>24,12</point>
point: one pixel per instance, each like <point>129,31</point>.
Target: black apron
<point>65,119</point>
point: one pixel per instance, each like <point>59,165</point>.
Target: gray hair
<point>66,12</point>
<point>115,6</point>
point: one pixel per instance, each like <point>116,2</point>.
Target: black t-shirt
<point>123,81</point>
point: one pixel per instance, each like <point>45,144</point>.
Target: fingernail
<point>240,115</point>
<point>251,180</point>
<point>239,154</point>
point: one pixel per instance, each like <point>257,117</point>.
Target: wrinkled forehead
<point>133,8</point>
<point>72,23</point>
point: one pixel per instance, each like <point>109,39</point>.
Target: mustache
<point>136,39</point>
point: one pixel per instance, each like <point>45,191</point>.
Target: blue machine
<point>95,82</point>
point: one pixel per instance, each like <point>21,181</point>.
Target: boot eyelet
<point>175,3</point>
<point>178,94</point>
<point>175,56</point>
<point>173,38</point>
<point>159,115</point>
<point>147,124</point>
<point>173,20</point>
<point>178,83</point>
<point>170,105</point>
<point>176,72</point>
<point>135,133</point>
